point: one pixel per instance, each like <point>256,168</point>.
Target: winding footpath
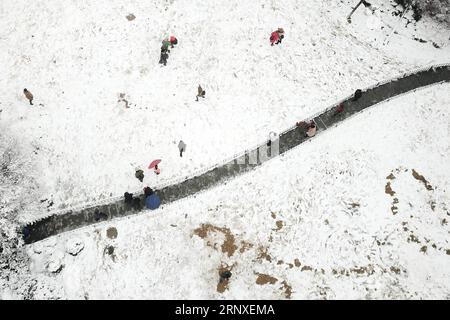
<point>73,219</point>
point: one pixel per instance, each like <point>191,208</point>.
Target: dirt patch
<point>388,189</point>
<point>306,268</point>
<point>245,246</point>
<point>297,263</point>
<point>262,254</point>
<point>287,289</point>
<point>422,179</point>
<point>395,270</point>
<point>432,205</point>
<point>228,246</point>
<point>390,177</point>
<point>363,270</point>
<point>394,208</point>
<point>111,233</point>
<point>265,279</point>
<point>273,215</point>
<point>279,224</point>
<point>413,238</point>
<point>131,17</point>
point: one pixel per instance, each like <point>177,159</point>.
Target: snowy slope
<point>360,211</point>
<point>77,57</point>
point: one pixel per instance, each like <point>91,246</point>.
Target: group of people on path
<point>166,43</point>
<point>152,200</point>
<point>139,174</point>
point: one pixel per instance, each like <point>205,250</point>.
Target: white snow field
<point>359,212</point>
<point>77,57</point>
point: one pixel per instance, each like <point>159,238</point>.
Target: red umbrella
<point>154,163</point>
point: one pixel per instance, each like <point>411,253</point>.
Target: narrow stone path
<point>70,220</point>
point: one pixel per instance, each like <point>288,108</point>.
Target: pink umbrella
<point>154,163</point>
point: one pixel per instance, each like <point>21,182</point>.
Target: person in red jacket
<point>276,36</point>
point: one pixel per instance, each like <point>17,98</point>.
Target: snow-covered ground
<point>77,57</point>
<point>360,211</point>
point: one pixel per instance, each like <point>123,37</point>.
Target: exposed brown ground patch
<point>306,268</point>
<point>395,270</point>
<point>422,179</point>
<point>297,263</point>
<point>388,189</point>
<point>228,246</point>
<point>390,177</point>
<point>394,208</point>
<point>263,279</point>
<point>279,224</point>
<point>363,270</point>
<point>245,246</point>
<point>262,254</point>
<point>131,17</point>
<point>111,233</point>
<point>432,205</point>
<point>273,215</point>
<point>287,289</point>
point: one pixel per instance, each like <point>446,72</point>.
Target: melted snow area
<point>78,57</point>
<point>360,211</point>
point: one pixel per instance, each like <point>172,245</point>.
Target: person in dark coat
<point>137,203</point>
<point>139,174</point>
<point>28,95</point>
<point>181,147</point>
<point>339,109</point>
<point>357,95</point>
<point>128,197</point>
<point>303,127</point>
<point>26,233</point>
<point>200,93</point>
<point>224,276</point>
<point>100,215</point>
<point>164,56</point>
<point>148,191</point>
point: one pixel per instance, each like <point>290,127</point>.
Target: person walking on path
<point>339,109</point>
<point>201,93</point>
<point>28,95</point>
<point>148,191</point>
<point>357,95</point>
<point>181,147</point>
<point>311,130</point>
<point>128,197</point>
